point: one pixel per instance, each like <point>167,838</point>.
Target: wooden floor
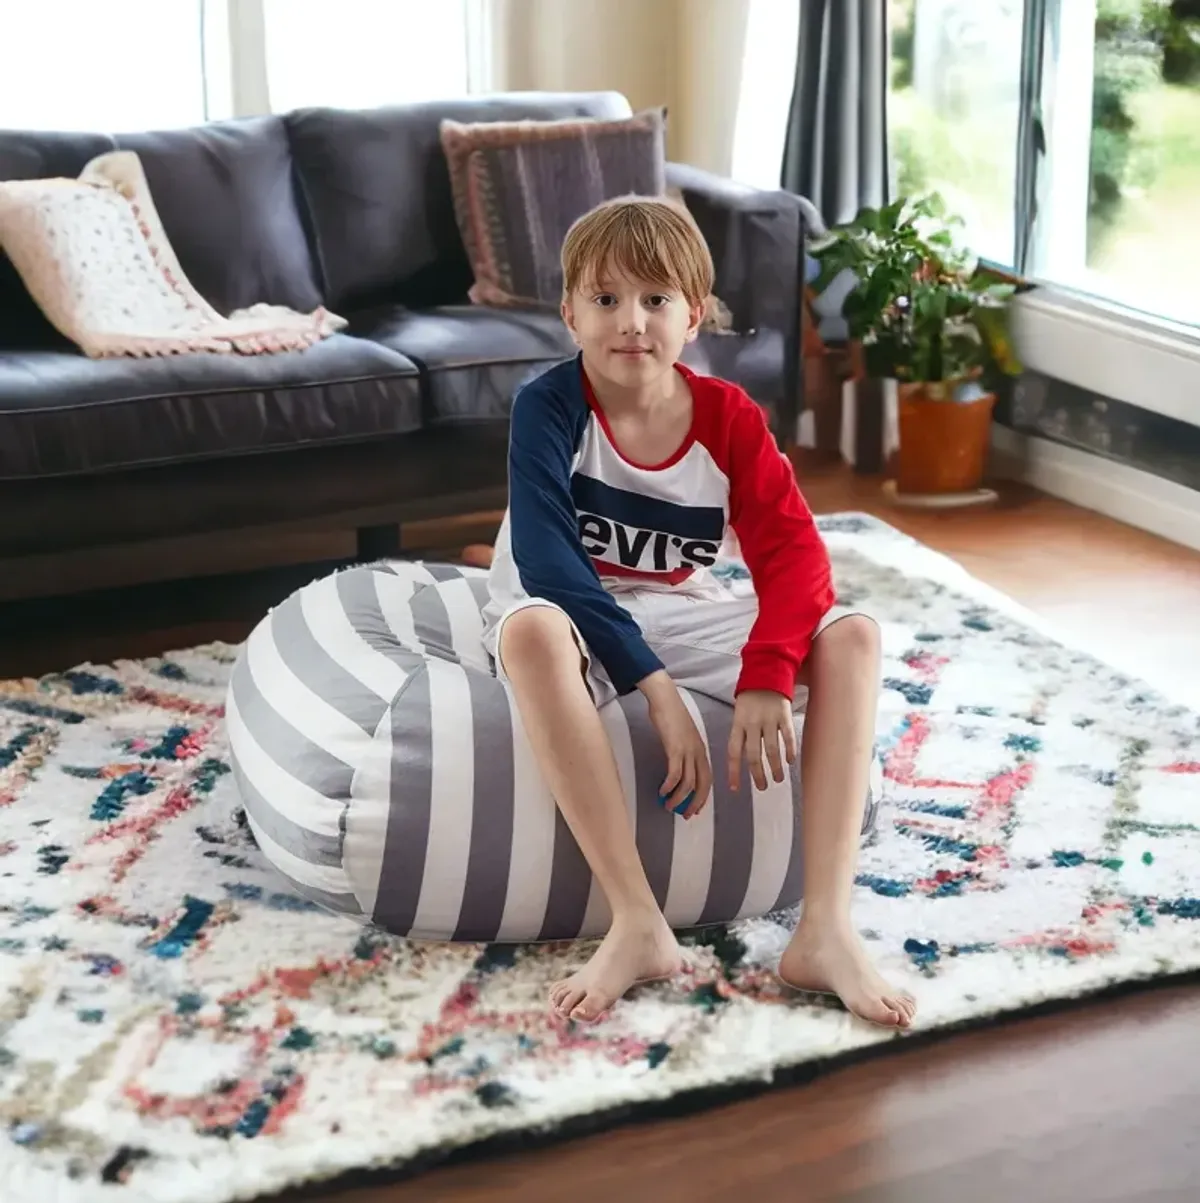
<point>1096,1101</point>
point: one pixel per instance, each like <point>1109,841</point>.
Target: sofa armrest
<point>757,238</point>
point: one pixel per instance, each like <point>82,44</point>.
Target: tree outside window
<point>1119,113</point>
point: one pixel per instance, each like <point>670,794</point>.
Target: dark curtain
<point>836,148</point>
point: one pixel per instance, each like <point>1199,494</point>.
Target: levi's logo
<point>645,534</point>
<point>642,549</point>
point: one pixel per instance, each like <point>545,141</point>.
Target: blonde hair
<point>647,237</point>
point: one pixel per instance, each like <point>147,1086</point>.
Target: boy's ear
<point>696,316</point>
<point>568,316</point>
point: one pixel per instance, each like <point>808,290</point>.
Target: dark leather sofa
<point>403,415</point>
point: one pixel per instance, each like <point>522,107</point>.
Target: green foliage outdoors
<point>1144,48</point>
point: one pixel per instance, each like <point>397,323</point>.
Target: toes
<point>878,1010</point>
<point>556,993</point>
<point>898,1011</point>
<point>569,999</point>
<point>589,1009</point>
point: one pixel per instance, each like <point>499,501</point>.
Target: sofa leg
<point>378,542</point>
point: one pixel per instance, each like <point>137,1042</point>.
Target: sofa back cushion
<point>227,199</point>
<point>36,156</point>
<point>379,197</point>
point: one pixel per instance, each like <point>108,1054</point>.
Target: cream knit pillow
<point>94,256</point>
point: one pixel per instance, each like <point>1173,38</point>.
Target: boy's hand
<point>688,768</point>
<point>761,718</point>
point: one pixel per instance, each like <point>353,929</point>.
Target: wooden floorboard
<point>1094,1101</point>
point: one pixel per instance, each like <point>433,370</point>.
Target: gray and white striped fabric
<point>385,774</point>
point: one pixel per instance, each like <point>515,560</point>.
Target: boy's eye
<point>605,300</point>
<point>658,301</point>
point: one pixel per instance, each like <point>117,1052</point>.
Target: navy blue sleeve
<point>546,546</point>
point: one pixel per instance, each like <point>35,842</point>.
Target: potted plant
<point>929,317</point>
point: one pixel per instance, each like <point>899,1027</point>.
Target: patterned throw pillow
<point>518,186</point>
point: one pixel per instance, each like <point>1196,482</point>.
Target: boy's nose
<point>632,319</point>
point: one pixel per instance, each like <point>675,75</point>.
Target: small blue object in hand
<point>683,805</point>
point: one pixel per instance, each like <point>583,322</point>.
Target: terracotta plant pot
<point>945,429</point>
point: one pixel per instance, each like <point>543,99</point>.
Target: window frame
<point>1031,131</point>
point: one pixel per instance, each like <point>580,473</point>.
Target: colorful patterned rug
<point>175,1027</point>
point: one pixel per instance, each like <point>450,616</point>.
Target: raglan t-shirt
<point>585,523</point>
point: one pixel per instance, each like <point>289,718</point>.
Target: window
<point>129,65</point>
<point>1123,224</point>
<point>765,94</point>
<point>364,53</point>
<point>953,111</point>
<point>115,66</point>
<point>1065,132</point>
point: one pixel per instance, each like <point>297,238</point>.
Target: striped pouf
<point>385,774</point>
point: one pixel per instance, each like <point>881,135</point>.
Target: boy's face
<point>630,331</point>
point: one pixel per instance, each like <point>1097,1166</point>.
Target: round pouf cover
<point>385,773</point>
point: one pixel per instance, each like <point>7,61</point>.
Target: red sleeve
<point>786,556</point>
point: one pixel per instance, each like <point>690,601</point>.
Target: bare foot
<point>834,961</point>
<point>635,950</point>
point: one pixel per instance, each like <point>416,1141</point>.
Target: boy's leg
<point>541,659</point>
<point>826,952</point>
<point>700,644</point>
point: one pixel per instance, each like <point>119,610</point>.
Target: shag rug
<point>175,1027</point>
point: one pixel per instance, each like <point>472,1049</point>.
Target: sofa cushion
<point>472,359</point>
<point>36,156</point>
<point>62,413</point>
<point>378,192</point>
<point>226,196</point>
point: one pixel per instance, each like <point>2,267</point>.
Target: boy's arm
<point>783,549</point>
<point>546,546</point>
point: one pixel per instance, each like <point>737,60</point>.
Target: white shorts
<point>699,638</point>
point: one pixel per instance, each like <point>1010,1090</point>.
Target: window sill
<point>1110,351</point>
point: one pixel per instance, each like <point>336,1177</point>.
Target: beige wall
<point>685,54</point>
<point>711,40</point>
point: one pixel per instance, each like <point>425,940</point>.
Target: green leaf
<point>930,205</point>
<point>826,276</point>
<point>930,303</point>
<point>867,219</point>
<point>890,214</point>
<point>959,304</point>
<point>994,329</point>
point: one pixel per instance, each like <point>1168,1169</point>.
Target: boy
<point>628,475</point>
